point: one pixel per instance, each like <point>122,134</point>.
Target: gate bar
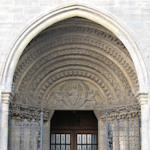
<point>107,130</point>
<point>41,142</point>
<point>139,125</point>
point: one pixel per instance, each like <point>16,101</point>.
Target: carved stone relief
<point>121,112</point>
<point>121,60</point>
<point>38,47</point>
<point>67,56</point>
<point>28,111</point>
<point>74,94</point>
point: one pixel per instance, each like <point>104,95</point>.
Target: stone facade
<point>124,25</point>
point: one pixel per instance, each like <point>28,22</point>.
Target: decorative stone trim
<point>121,112</point>
<point>6,97</point>
<point>108,50</point>
<point>142,98</point>
<point>28,112</point>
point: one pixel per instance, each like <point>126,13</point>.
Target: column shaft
<point>143,99</point>
<point>145,127</point>
<point>4,120</point>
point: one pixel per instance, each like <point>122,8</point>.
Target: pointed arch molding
<point>50,18</point>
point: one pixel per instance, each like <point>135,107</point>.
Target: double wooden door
<point>74,130</point>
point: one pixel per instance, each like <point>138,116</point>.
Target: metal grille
<point>25,131</point>
<point>25,135</point>
<point>26,128</point>
<point>123,134</point>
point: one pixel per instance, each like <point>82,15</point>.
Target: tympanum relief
<point>74,94</point>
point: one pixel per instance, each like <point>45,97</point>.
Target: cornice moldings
<point>6,97</point>
<point>143,98</point>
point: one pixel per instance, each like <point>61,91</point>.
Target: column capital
<point>6,97</point>
<point>142,98</point>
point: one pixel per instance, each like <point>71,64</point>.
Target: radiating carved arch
<point>75,54</point>
<point>118,59</point>
<point>67,50</point>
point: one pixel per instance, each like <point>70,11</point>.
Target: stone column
<point>46,135</point>
<point>101,131</point>
<point>4,120</point>
<point>143,99</point>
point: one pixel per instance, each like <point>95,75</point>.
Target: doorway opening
<point>74,130</point>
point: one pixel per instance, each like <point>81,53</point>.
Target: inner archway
<point>76,64</point>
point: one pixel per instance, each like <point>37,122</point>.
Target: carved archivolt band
<point>76,49</point>
<point>108,51</point>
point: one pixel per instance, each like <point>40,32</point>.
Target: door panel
<point>74,131</point>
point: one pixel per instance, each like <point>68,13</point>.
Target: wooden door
<point>74,130</point>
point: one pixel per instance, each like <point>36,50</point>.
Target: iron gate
<point>123,131</point>
<point>26,127</point>
<point>25,135</point>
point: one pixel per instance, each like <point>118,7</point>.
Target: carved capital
<point>126,111</point>
<point>6,97</point>
<point>142,98</point>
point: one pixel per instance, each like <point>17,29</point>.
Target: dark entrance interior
<point>74,130</point>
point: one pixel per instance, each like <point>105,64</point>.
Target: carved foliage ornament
<point>121,112</point>
<point>27,111</point>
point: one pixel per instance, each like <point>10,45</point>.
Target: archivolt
<point>77,49</point>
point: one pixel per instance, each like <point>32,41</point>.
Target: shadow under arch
<point>66,12</point>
